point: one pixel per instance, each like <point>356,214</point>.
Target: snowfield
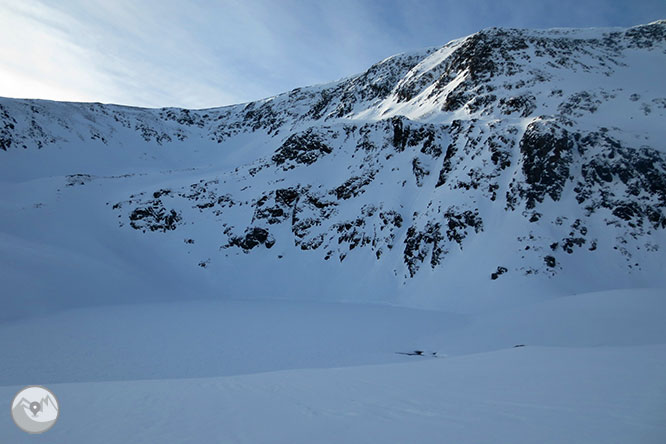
<point>522,395</point>
<point>591,370</point>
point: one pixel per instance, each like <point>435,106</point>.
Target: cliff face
<point>507,164</point>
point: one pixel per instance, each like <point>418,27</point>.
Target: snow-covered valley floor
<point>292,372</point>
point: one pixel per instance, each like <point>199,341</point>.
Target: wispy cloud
<point>208,53</point>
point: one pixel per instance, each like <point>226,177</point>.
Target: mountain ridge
<point>506,158</point>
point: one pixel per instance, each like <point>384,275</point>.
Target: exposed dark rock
<point>160,193</point>
<point>253,237</point>
<point>500,148</point>
<point>77,179</point>
<point>277,206</point>
<point>406,133</point>
<point>523,105</point>
<point>546,151</point>
<point>431,240</point>
<point>500,271</point>
<point>580,103</point>
<point>646,36</point>
<point>642,172</point>
<point>400,133</point>
<point>354,186</point>
<point>550,261</point>
<point>183,116</point>
<point>7,127</point>
<point>309,211</point>
<point>535,217</point>
<point>481,103</point>
<point>419,171</point>
<point>421,244</point>
<point>352,233</point>
<point>154,217</point>
<point>261,115</point>
<point>286,196</point>
<point>391,217</point>
<point>446,165</point>
<point>302,148</point>
<point>457,224</point>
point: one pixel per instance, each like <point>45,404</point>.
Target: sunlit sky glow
<point>209,53</point>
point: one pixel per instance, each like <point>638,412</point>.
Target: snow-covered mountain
<point>499,167</point>
<point>480,179</point>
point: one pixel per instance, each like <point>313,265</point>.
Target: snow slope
<point>585,374</point>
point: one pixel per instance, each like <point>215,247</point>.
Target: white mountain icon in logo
<point>35,409</point>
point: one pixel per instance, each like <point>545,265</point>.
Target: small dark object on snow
<point>500,271</point>
<point>519,345</point>
<point>415,353</point>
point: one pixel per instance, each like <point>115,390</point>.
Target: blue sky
<point>205,53</point>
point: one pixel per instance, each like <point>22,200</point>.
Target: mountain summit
<point>503,166</point>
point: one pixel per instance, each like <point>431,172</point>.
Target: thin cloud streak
<point>209,53</point>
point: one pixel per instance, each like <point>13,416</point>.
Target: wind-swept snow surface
<point>589,368</point>
<point>522,395</point>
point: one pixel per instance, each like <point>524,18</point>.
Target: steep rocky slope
<point>504,164</point>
